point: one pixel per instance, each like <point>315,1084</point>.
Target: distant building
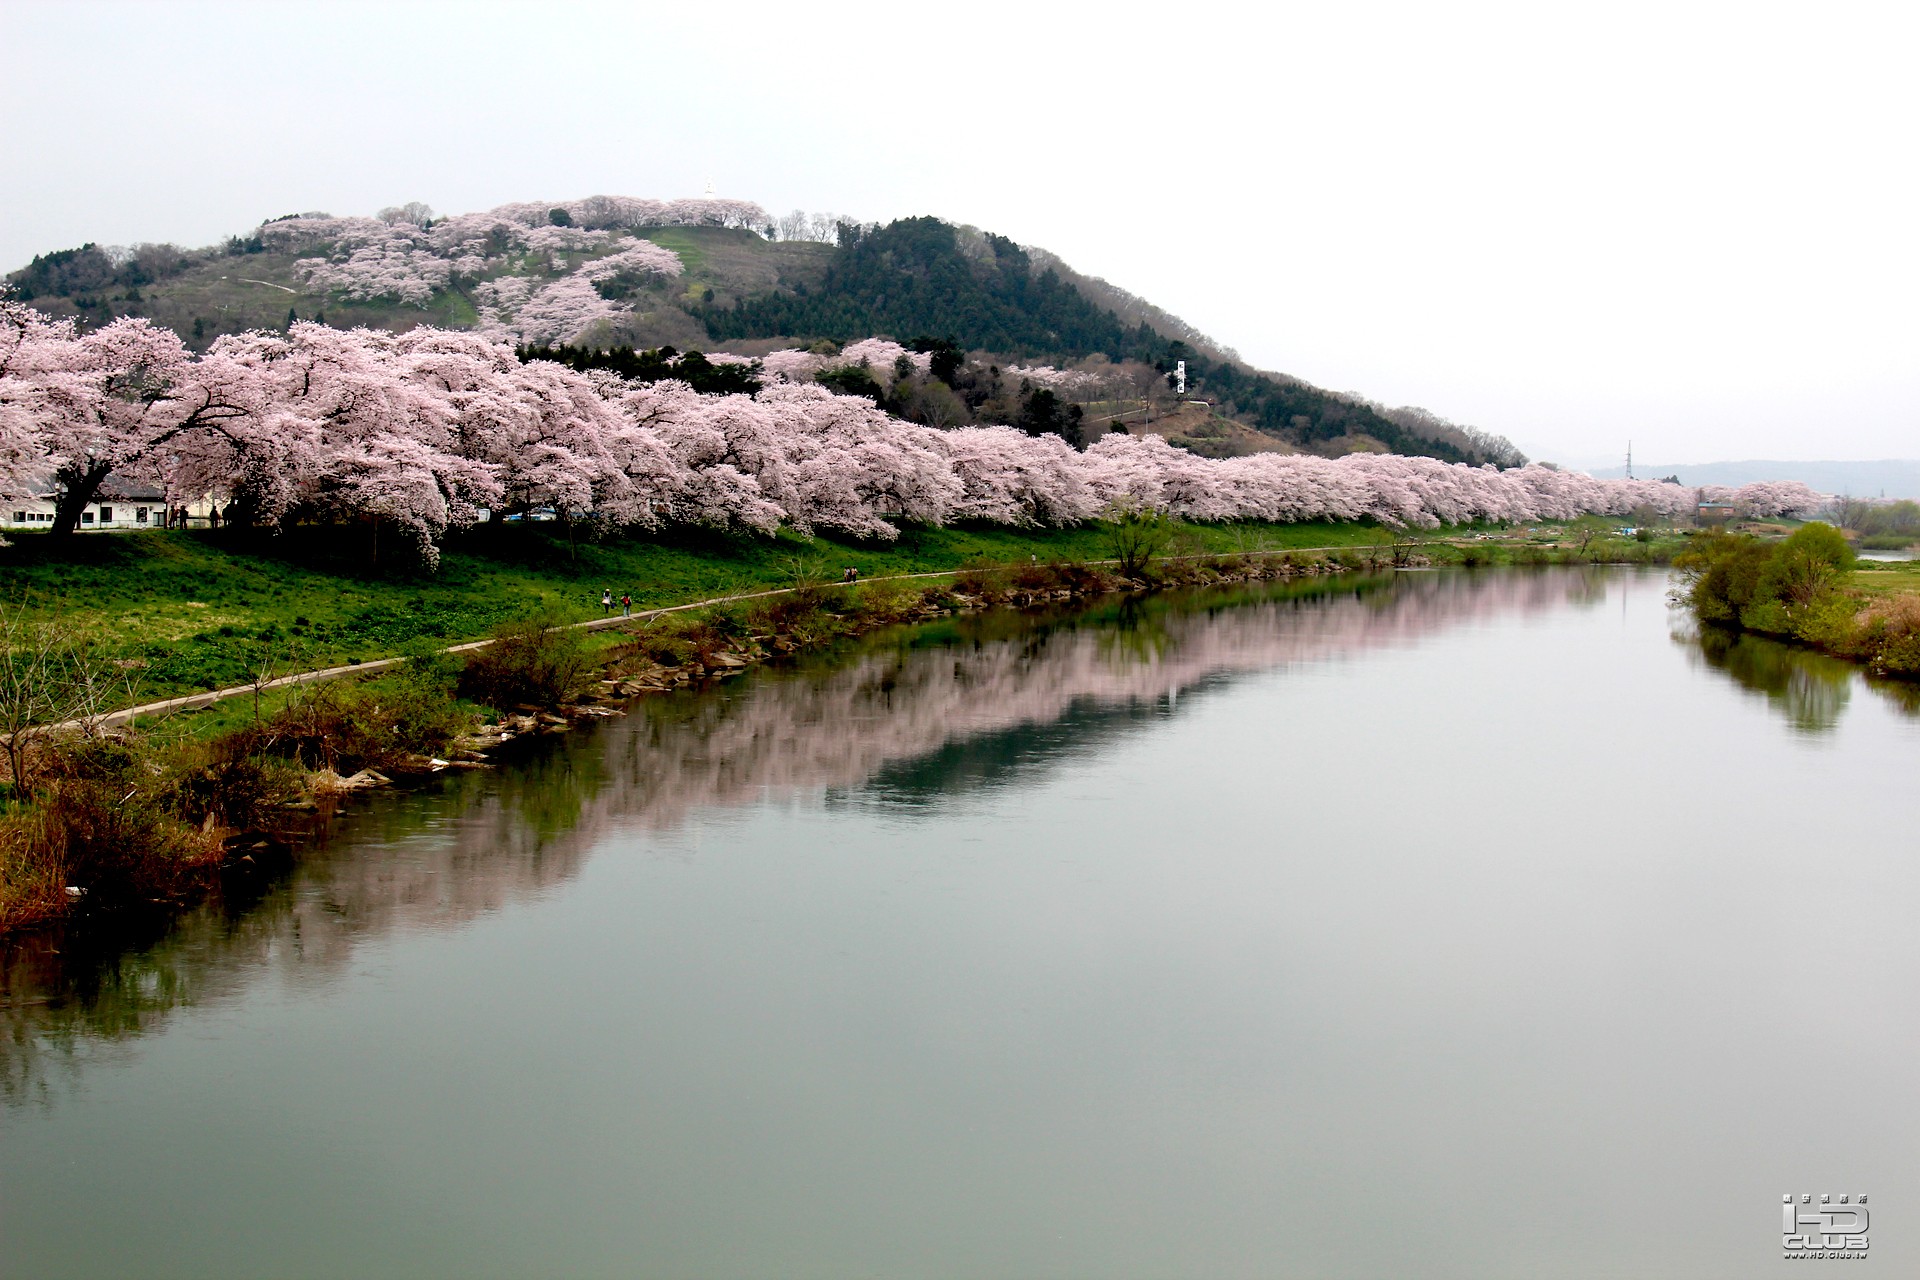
<point>118,506</point>
<point>1716,512</point>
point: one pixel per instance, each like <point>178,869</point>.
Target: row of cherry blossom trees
<point>405,255</point>
<point>879,356</point>
<point>421,431</point>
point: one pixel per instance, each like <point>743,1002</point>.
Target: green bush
<point>1792,589</point>
<point>1828,623</point>
<point>1736,579</point>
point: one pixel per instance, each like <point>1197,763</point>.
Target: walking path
<point>195,701</point>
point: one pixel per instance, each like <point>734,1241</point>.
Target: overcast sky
<point>1691,225</point>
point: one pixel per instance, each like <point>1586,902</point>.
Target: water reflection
<point>1810,689</point>
<point>931,699</point>
<point>471,844</point>
<point>900,719</point>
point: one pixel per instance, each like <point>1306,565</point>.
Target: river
<point>1448,924</point>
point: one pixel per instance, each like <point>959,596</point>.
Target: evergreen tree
<point>912,276</point>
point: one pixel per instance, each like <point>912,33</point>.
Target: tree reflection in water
<point>900,718</point>
<point>1808,688</point>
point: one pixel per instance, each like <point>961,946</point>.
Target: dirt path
<point>195,701</point>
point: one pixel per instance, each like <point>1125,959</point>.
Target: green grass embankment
<point>155,812</point>
<point>199,610</point>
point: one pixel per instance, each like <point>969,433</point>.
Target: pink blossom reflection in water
<point>1462,926</point>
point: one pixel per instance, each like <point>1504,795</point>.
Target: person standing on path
<point>626,605</point>
<point>606,600</point>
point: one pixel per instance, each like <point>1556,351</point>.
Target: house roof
<point>112,490</point>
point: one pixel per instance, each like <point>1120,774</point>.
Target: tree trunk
<point>78,486</point>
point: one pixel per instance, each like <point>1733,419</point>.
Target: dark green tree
<point>852,380</point>
<point>913,276</point>
<point>693,368</point>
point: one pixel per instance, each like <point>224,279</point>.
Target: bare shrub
<point>1891,635</point>
<point>531,662</point>
<point>1034,577</point>
<point>880,602</point>
<point>983,582</point>
<point>104,822</point>
<point>32,883</point>
<point>50,677</point>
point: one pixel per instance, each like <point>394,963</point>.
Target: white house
<point>117,506</point>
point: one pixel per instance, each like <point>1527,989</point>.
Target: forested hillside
<point>984,292</point>
<point>609,273</point>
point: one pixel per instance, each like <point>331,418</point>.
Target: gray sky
<point>1688,224</point>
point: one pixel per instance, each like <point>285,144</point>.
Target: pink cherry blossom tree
<point>416,432</point>
<point>117,399</point>
<point>880,356</point>
<point>360,436</point>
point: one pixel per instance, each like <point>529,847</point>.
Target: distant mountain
<point>1890,477</point>
<point>608,271</point>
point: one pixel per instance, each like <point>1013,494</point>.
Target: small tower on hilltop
<point>709,193</point>
<point>1180,377</point>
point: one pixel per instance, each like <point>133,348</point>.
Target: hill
<point>364,271</point>
<point>611,272</point>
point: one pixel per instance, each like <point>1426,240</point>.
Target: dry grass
<point>1890,634</point>
<point>109,821</point>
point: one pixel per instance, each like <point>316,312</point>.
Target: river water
<point>1450,924</point>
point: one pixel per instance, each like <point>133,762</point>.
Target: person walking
<point>626,605</point>
<point>606,601</point>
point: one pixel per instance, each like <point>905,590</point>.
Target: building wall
<point>106,515</point>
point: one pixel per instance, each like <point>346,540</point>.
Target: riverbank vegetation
<point>1879,525</point>
<point>1808,588</point>
<point>118,619</point>
<point>103,820</point>
<point>183,612</point>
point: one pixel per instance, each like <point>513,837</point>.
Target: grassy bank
<point>159,812</point>
<point>1556,547</point>
<point>104,821</point>
<point>1808,588</point>
<point>186,612</point>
